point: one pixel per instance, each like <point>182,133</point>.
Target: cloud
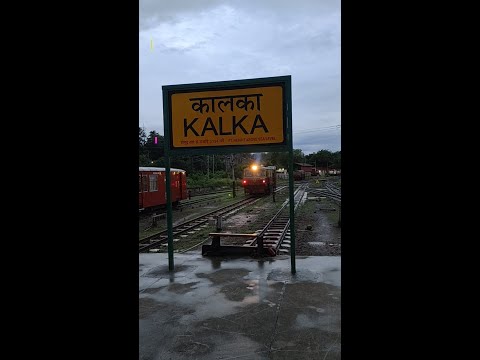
<point>154,12</point>
<point>203,41</point>
<point>316,141</point>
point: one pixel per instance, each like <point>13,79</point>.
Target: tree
<point>154,151</point>
<point>337,160</point>
<point>144,160</point>
<point>324,158</point>
<point>298,156</point>
<point>142,140</point>
<point>280,159</point>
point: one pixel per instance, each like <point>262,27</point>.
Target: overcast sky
<point>212,40</point>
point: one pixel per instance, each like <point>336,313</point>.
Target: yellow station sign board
<point>241,116</point>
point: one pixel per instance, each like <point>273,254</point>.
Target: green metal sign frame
<point>287,145</point>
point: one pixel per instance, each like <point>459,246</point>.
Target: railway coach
<point>259,179</point>
<point>152,187</point>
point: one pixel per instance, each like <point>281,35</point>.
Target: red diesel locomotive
<point>259,179</point>
<point>152,185</point>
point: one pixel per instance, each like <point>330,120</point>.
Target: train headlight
<point>263,181</point>
<point>254,167</point>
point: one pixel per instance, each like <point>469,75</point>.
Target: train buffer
<point>217,249</point>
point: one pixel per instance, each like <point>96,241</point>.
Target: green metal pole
<point>292,210</point>
<point>233,175</point>
<point>288,94</point>
<point>169,213</point>
<point>168,188</point>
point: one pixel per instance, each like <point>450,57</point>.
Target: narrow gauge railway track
<point>280,188</point>
<point>276,233</point>
<point>181,205</point>
<point>190,203</point>
<point>330,192</point>
<point>195,193</point>
<point>160,237</point>
<point>187,203</point>
<point>149,211</point>
<point>333,188</point>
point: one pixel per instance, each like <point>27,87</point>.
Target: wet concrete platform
<point>239,308</point>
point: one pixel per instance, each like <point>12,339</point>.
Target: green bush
<point>198,180</point>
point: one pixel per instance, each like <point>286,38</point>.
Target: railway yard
<point>316,219</point>
<point>244,307</point>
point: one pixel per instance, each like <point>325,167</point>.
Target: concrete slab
<point>239,308</point>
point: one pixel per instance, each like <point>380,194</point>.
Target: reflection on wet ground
<point>221,308</point>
